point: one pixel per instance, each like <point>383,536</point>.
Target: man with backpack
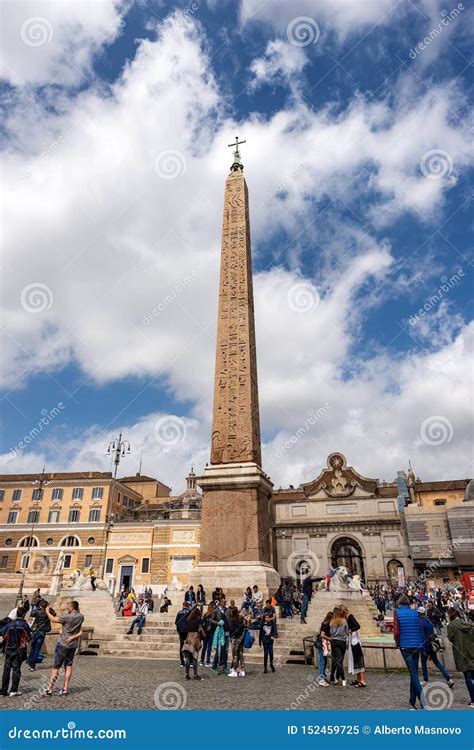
<point>16,635</point>
<point>181,622</point>
<point>41,625</point>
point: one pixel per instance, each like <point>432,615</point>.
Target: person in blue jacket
<point>408,634</point>
<point>428,651</point>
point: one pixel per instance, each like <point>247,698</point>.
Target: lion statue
<point>83,583</point>
<point>343,581</point>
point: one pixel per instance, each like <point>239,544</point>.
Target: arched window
<point>70,541</point>
<point>28,541</point>
<point>395,572</point>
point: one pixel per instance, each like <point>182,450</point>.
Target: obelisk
<point>237,510</point>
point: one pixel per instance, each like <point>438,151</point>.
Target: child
<point>266,638</point>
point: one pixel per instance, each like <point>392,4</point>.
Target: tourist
<point>428,651</point>
<point>128,609</point>
<point>201,596</point>
<point>209,627</point>
<point>71,632</point>
<point>35,599</point>
<point>257,597</point>
<point>288,601</point>
<point>122,598</point>
<point>408,637</point>
<point>190,596</point>
<point>307,595</point>
<point>322,642</point>
<point>192,643</point>
<point>182,629</point>
<point>330,574</point>
<point>149,602</point>
<point>356,663</point>
<point>41,625</point>
<point>435,615</point>
<point>461,635</point>
<point>90,573</point>
<point>220,641</point>
<point>266,638</point>
<point>338,629</point>
<point>165,602</point>
<point>248,602</point>
<point>140,617</point>
<point>237,625</point>
<point>16,635</point>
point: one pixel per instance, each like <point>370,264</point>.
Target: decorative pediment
<point>338,479</point>
<point>128,560</point>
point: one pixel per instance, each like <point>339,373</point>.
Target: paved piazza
<point>102,683</point>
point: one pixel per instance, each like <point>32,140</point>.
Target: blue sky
<point>358,159</point>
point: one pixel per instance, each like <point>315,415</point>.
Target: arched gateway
<point>347,552</point>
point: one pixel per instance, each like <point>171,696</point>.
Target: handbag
<point>249,638</point>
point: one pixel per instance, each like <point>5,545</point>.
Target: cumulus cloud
<point>281,61</point>
<point>46,41</point>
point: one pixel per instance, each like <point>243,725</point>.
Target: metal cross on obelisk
<point>237,164</point>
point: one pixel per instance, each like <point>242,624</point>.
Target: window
<point>4,561</point>
<point>91,540</point>
<point>88,561</point>
<point>94,514</point>
<point>2,494</point>
<point>77,493</point>
<point>57,493</point>
<point>97,493</point>
<point>109,565</point>
<point>125,501</point>
<point>17,494</point>
<point>8,542</point>
<point>436,530</point>
<point>12,516</point>
<point>33,516</point>
<point>25,560</point>
<point>49,541</point>
<point>440,502</point>
<point>28,541</point>
<point>74,515</point>
<point>36,494</point>
<point>70,541</point>
<point>146,565</point>
<point>53,516</point>
<point>67,561</point>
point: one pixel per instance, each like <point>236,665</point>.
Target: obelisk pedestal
<point>237,510</point>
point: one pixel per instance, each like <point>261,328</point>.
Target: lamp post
<point>118,448</point>
<point>40,482</point>
<point>109,521</point>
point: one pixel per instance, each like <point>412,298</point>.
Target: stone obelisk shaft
<point>236,422</point>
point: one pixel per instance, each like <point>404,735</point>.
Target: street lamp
<point>109,521</point>
<point>118,448</point>
<point>37,497</point>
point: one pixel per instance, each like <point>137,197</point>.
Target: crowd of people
<point>215,633</point>
<point>208,632</point>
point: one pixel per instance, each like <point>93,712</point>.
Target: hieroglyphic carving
<point>236,423</point>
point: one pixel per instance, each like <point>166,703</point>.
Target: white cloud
<point>54,40</point>
<point>345,17</point>
<point>281,61</point>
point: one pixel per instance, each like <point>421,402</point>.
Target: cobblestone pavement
<point>102,683</point>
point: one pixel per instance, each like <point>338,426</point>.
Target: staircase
<point>159,639</point>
